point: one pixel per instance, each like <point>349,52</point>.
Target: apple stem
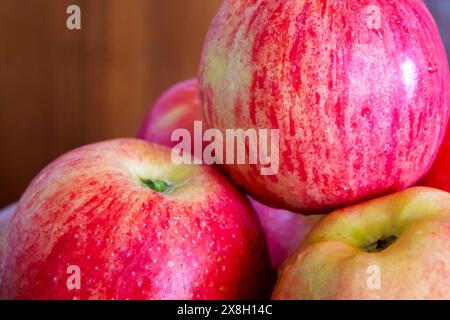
<point>381,244</point>
<point>158,185</point>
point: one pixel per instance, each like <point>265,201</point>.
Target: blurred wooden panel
<point>61,89</point>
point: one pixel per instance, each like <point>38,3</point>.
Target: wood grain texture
<point>61,89</point>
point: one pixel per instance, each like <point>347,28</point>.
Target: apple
<point>284,230</point>
<point>176,108</point>
<point>439,175</point>
<point>118,220</point>
<point>5,216</point>
<point>358,89</point>
<point>395,247</point>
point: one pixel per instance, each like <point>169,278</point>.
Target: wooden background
<point>61,89</point>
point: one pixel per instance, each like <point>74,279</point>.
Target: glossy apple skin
<point>177,108</point>
<point>284,230</point>
<point>439,174</point>
<point>90,209</point>
<point>333,263</point>
<point>360,93</point>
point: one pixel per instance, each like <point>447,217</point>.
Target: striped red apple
<point>130,224</point>
<point>358,89</point>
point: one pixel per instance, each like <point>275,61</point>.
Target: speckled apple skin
<point>88,208</point>
<point>439,174</point>
<point>358,89</point>
<point>333,264</point>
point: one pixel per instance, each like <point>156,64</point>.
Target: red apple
<point>358,89</point>
<point>395,247</point>
<point>439,175</point>
<point>177,108</point>
<point>129,224</point>
<point>284,230</point>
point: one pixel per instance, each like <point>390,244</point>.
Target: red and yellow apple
<point>358,89</point>
<point>284,230</point>
<point>176,108</point>
<point>439,175</point>
<point>135,226</point>
<point>395,247</point>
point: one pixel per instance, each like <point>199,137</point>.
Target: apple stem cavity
<point>381,244</point>
<point>157,185</point>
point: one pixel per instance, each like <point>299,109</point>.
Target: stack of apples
<point>359,92</point>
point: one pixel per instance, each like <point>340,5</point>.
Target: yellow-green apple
<point>176,108</point>
<point>395,247</point>
<point>118,220</point>
<point>284,230</point>
<point>439,175</point>
<point>358,89</point>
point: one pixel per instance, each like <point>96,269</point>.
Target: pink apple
<point>439,175</point>
<point>177,108</point>
<point>126,223</point>
<point>358,89</point>
<point>5,216</point>
<point>395,247</point>
<point>284,230</point>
